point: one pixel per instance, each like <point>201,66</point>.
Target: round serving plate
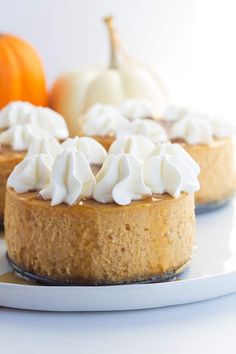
<point>208,207</point>
<point>212,273</point>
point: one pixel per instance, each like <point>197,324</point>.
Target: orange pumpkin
<point>21,72</point>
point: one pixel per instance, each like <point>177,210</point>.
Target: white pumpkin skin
<point>73,93</point>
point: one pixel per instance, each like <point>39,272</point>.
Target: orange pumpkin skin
<point>21,73</point>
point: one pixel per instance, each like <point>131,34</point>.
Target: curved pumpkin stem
<point>114,42</point>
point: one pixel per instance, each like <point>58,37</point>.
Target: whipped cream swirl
<point>92,150</point>
<point>145,127</point>
<point>222,128</point>
<point>19,137</point>
<point>201,129</point>
<point>15,113</point>
<point>174,113</point>
<point>47,145</point>
<point>31,174</point>
<point>136,145</point>
<point>49,120</point>
<point>193,130</point>
<point>120,180</point>
<point>136,109</point>
<point>71,179</point>
<point>170,169</point>
<point>103,120</point>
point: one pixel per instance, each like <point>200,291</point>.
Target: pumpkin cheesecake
<point>20,123</point>
<point>134,222</point>
<point>210,141</point>
<point>13,148</point>
<point>105,123</point>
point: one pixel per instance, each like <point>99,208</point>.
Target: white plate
<point>212,273</point>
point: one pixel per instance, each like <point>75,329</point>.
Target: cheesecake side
<point>218,171</point>
<point>93,243</point>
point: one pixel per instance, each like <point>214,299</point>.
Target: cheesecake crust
<point>92,243</point>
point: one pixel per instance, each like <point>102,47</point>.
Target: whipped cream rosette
<point>120,180</point>
<point>137,109</point>
<point>136,145</point>
<point>222,128</point>
<point>169,169</point>
<point>174,113</point>
<point>145,127</point>
<point>18,113</point>
<point>202,129</point>
<point>92,150</point>
<point>49,120</point>
<point>19,137</point>
<point>47,145</point>
<point>71,179</point>
<point>32,174</point>
<point>14,113</point>
<point>103,120</point>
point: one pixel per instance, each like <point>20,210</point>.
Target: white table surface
<point>204,327</point>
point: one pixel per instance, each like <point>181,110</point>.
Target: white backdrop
<point>193,41</point>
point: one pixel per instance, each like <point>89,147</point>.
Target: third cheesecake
<point>211,143</point>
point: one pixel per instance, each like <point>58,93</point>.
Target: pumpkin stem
<point>114,42</point>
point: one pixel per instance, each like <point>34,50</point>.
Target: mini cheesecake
<point>20,123</point>
<point>13,148</point>
<point>105,123</point>
<point>126,225</point>
<point>218,171</point>
<point>210,142</point>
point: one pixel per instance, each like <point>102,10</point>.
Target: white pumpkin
<point>74,92</point>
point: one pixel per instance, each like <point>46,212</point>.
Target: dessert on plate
<point>134,222</point>
<point>105,123</point>
<point>20,123</point>
<point>210,142</point>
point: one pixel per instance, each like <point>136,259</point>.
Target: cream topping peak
<point>120,180</point>
<point>136,109</point>
<point>145,127</point>
<point>31,174</point>
<point>136,145</point>
<point>93,151</point>
<point>103,120</point>
<point>71,179</point>
<point>20,136</point>
<point>170,169</point>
